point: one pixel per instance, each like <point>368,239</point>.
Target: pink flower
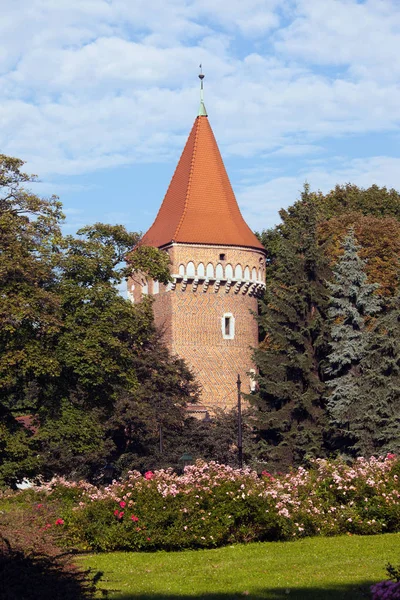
<point>390,456</point>
<point>121,514</point>
<point>149,475</point>
<point>122,504</point>
<point>116,512</point>
<point>148,539</point>
<point>59,522</point>
<point>39,506</point>
<point>134,518</point>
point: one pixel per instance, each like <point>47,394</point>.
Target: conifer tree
<point>290,413</point>
<point>377,427</point>
<point>352,302</point>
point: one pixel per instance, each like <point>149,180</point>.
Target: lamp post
<point>239,408</point>
<point>186,459</point>
<point>160,433</point>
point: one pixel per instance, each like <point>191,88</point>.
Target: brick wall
<point>189,317</point>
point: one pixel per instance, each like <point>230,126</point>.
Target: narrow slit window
<point>228,326</point>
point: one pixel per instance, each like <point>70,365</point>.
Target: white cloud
<point>261,202</point>
<point>363,36</point>
<point>92,84</point>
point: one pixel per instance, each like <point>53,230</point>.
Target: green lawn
<point>340,568</point>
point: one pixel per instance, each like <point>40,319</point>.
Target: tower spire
<point>202,108</point>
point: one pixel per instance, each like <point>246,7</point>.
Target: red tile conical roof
<point>200,206</point>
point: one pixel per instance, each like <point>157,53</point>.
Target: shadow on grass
<point>359,591</point>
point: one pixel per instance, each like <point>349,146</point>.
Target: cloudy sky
<point>98,96</point>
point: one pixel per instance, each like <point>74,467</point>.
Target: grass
<point>340,568</point>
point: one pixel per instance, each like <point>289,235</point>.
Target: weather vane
<point>202,110</point>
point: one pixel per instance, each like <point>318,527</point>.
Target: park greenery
<point>86,384</point>
<point>90,371</point>
<point>329,354</point>
<point>211,505</point>
<point>338,568</point>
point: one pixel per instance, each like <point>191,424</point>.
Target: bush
<point>211,505</point>
<point>388,590</point>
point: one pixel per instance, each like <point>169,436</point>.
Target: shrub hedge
<point>211,505</point>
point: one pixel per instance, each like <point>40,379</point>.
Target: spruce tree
<point>290,413</point>
<point>377,427</point>
<point>352,302</point>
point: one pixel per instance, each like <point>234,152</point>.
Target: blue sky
<point>99,96</point>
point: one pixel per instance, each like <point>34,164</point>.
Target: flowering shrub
<point>388,590</point>
<point>212,505</point>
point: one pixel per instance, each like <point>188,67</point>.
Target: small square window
<point>222,257</point>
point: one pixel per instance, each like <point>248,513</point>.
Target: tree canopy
<point>296,349</point>
<point>72,349</point>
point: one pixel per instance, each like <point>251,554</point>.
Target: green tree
<point>70,345</point>
<point>374,213</point>
<point>165,386</point>
<point>29,303</point>
<point>291,414</point>
<point>101,348</point>
<point>377,426</point>
<point>18,454</point>
<point>352,302</point>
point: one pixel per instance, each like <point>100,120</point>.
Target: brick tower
<point>218,271</point>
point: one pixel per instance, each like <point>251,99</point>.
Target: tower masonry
<point>206,315</point>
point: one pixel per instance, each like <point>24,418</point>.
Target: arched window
<point>219,271</point>
<point>260,275</point>
<point>254,274</point>
<point>228,272</point>
<point>238,272</point>
<point>145,288</point>
<point>210,270</point>
<point>190,271</point>
<point>156,287</point>
<point>182,270</point>
<point>200,270</point>
<point>247,273</point>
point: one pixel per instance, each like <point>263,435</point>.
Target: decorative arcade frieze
<point>214,285</point>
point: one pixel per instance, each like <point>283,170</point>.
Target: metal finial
<point>202,109</point>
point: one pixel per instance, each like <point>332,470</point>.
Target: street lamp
<point>239,408</point>
<point>186,459</point>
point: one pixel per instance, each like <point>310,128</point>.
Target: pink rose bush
<point>212,505</point>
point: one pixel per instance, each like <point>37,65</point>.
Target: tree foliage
<point>71,347</point>
<point>352,302</point>
<point>377,428</point>
<point>374,214</point>
<point>290,397</point>
<point>29,303</point>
